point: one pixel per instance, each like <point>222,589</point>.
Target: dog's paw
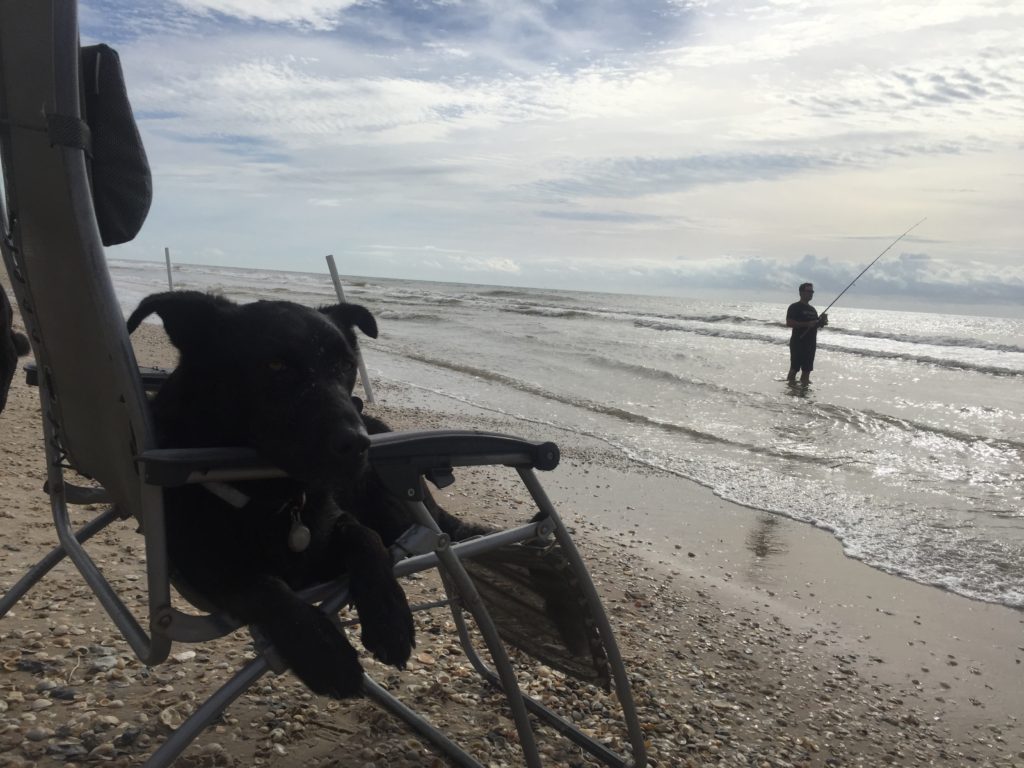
<point>388,631</point>
<point>320,655</point>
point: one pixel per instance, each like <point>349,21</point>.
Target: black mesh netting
<point>537,605</point>
<point>122,187</point>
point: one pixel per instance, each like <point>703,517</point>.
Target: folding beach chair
<point>74,180</point>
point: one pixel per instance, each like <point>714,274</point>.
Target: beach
<point>751,638</point>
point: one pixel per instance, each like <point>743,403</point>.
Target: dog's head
<point>272,375</point>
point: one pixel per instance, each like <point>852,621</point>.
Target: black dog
<point>278,377</point>
<point>12,346</point>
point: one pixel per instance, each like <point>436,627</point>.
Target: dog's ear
<point>352,315</point>
<point>189,316</point>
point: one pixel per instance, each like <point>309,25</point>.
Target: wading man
<point>804,320</point>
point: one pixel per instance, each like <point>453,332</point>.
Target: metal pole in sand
<point>363,377</point>
<point>167,258</point>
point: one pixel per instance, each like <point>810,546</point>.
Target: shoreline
<point>751,639</point>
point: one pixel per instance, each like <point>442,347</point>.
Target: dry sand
<point>751,640</point>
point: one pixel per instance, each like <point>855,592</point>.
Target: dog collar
<point>227,493</point>
<point>299,535</point>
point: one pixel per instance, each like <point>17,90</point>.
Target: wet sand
<point>752,639</point>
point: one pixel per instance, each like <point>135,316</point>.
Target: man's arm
<point>792,323</point>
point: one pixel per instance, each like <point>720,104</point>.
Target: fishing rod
<point>869,266</point>
<point>858,277</point>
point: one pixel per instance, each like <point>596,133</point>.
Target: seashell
<point>38,734</point>
<point>103,751</point>
<point>69,749</point>
<point>171,717</point>
<point>107,721</point>
<point>104,663</point>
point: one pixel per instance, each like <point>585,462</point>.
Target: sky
<point>643,146</point>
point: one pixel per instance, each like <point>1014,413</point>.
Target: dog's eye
<point>277,365</point>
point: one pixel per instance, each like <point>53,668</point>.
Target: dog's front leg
<point>384,614</point>
<point>313,648</point>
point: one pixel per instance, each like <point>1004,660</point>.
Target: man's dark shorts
<point>801,357</point>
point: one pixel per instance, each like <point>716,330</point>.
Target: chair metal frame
<point>96,422</point>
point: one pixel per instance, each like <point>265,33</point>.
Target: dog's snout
<point>351,444</point>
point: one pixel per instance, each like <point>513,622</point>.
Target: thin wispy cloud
<point>581,141</point>
<point>315,14</point>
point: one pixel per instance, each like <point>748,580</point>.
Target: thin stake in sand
<point>363,377</point>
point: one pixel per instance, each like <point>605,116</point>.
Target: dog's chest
<point>254,530</point>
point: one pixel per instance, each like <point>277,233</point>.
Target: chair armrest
<point>453,448</point>
<point>152,378</point>
<point>401,458</point>
<point>398,458</point>
<point>169,467</point>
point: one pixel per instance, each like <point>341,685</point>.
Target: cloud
<point>907,275</point>
<point>475,264</point>
<point>626,177</point>
<point>625,143</point>
<point>598,216</point>
<point>315,14</point>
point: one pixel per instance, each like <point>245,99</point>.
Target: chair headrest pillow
<point>122,185</point>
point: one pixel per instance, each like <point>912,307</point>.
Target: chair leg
<point>467,593</point>
<point>617,668</point>
<point>207,712</point>
<point>623,690</point>
<point>44,566</point>
<point>547,715</point>
<point>410,717</point>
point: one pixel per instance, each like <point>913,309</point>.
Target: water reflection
<point>764,542</point>
<point>796,389</point>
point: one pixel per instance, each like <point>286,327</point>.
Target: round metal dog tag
<point>298,538</point>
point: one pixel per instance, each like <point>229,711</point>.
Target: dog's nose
<point>351,445</point>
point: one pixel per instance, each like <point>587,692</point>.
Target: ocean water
<point>908,445</point>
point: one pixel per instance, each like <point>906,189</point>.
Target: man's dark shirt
<point>802,313</point>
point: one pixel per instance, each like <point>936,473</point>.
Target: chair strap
<point>62,130</point>
<point>67,131</point>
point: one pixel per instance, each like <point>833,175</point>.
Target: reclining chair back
<point>86,366</point>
